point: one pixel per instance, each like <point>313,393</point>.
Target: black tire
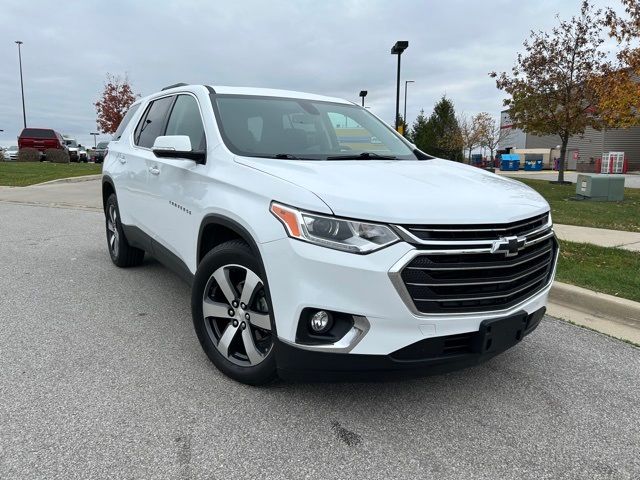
<point>235,254</point>
<point>122,254</point>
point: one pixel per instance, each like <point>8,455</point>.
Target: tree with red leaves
<point>116,99</point>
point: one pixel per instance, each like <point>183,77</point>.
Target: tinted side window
<point>151,125</point>
<point>185,120</point>
<point>125,121</point>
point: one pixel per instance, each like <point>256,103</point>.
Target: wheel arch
<point>216,229</point>
<point>107,189</point>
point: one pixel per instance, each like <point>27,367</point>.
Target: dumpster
<point>510,162</point>
<point>476,160</point>
<point>532,161</point>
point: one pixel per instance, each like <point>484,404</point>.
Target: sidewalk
<point>631,180</point>
<point>78,192</point>
<point>599,236</point>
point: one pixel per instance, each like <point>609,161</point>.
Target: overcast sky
<point>334,48</point>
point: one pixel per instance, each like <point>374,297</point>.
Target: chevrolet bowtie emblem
<point>510,246</point>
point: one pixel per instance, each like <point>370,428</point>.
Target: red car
<point>41,139</point>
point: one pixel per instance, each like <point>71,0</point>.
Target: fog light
<point>320,322</point>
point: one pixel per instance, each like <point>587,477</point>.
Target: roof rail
<point>181,84</point>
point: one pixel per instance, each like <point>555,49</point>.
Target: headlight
<point>347,235</point>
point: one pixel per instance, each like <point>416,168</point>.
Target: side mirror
<point>176,146</point>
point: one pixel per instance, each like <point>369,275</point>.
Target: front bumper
<point>302,275</point>
<point>426,357</point>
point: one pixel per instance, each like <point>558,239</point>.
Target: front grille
<point>478,232</point>
<point>462,275</point>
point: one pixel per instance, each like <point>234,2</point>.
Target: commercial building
<point>583,152</point>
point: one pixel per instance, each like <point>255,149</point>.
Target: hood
<point>408,192</point>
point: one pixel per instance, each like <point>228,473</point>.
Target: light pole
<point>363,93</point>
<point>404,117</point>
<point>95,134</point>
<point>24,115</point>
<point>397,49</point>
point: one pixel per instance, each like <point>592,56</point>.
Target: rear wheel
<point>122,254</point>
<point>231,313</point>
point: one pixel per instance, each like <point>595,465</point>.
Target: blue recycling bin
<point>509,162</point>
<point>533,164</point>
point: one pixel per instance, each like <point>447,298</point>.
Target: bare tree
<point>469,132</point>
<point>491,134</point>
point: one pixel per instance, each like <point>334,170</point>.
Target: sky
<point>334,48</point>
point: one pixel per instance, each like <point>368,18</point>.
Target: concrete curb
<point>608,307</point>
<point>83,178</point>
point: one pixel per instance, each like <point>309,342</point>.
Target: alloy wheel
<point>236,315</point>
<point>112,230</point>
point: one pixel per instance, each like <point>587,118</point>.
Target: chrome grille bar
<point>499,277</point>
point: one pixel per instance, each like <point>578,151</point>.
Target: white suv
<point>320,242</point>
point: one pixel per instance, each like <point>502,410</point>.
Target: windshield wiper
<point>285,156</point>
<point>362,156</point>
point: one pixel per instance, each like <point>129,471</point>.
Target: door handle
<point>154,170</point>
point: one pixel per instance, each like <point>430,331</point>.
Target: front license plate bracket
<point>498,334</point>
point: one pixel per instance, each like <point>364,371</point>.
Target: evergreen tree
<point>418,130</point>
<point>405,129</point>
<point>443,137</point>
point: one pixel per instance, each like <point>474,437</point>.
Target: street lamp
<point>397,49</point>
<point>404,117</point>
<point>24,115</point>
<point>95,134</point>
<point>363,93</point>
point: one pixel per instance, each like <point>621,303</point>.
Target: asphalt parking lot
<point>101,375</point>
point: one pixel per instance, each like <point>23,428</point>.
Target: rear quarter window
<point>125,121</point>
<point>153,122</point>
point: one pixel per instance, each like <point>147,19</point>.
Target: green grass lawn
<point>607,270</point>
<point>22,174</point>
<point>614,215</point>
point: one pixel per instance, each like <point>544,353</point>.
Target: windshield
<point>13,148</point>
<point>102,145</point>
<point>71,143</point>
<point>304,129</point>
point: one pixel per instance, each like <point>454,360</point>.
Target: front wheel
<point>231,313</point>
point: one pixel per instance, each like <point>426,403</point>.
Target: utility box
<point>603,188</point>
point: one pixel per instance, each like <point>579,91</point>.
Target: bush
<point>55,155</point>
<point>3,158</point>
<point>28,155</point>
